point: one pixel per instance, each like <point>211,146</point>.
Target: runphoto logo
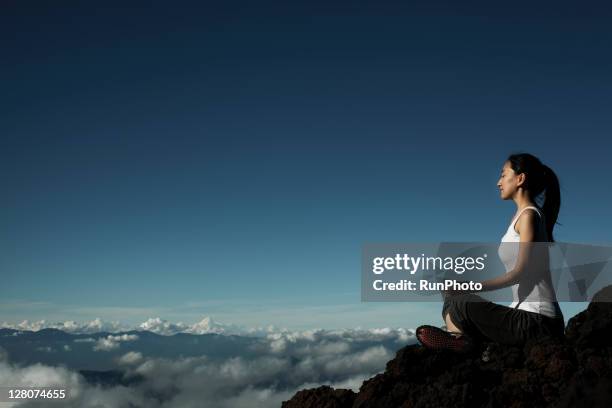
<point>405,262</point>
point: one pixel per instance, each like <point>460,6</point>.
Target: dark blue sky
<point>158,156</point>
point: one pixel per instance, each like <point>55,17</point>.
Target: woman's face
<point>508,182</point>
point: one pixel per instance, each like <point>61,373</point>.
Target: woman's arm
<point>526,225</point>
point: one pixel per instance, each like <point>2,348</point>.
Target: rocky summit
<point>545,372</point>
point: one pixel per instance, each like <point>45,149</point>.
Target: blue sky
<point>231,160</point>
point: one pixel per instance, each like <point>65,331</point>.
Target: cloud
<point>69,326</point>
<point>320,341</point>
<point>154,324</point>
<point>37,375</point>
<point>129,358</point>
<point>112,342</point>
<point>85,340</point>
<point>367,360</point>
<point>163,327</point>
<point>204,326</point>
<point>277,366</point>
<point>79,392</point>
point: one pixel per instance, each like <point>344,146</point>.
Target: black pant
<point>488,321</point>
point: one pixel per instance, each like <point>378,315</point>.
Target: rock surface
<point>545,372</point>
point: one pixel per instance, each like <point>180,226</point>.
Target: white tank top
<point>541,285</point>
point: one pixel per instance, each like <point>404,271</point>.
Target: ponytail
<point>552,201</point>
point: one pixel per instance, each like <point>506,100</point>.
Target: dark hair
<point>540,179</point>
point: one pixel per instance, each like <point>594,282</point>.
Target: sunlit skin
<point>511,187</point>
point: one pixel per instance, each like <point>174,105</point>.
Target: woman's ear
<point>521,180</point>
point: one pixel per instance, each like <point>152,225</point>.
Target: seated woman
<point>535,311</point>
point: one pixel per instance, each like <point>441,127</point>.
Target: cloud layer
<point>278,365</point>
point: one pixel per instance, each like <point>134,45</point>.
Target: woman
<point>534,312</point>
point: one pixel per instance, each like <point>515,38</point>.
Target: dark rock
<point>545,372</point>
<point>593,327</point>
<point>323,397</point>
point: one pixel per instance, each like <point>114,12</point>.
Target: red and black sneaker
<point>435,338</point>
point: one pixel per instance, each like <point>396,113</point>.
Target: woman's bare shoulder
<point>527,223</point>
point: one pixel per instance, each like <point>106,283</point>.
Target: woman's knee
<point>458,302</point>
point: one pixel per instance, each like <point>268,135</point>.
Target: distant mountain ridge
<point>154,325</point>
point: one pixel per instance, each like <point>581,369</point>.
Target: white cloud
<point>129,358</point>
<point>69,326</point>
<point>162,327</point>
<point>204,326</point>
<point>85,340</point>
<point>79,392</point>
<point>112,342</point>
<point>369,360</point>
<point>154,324</point>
